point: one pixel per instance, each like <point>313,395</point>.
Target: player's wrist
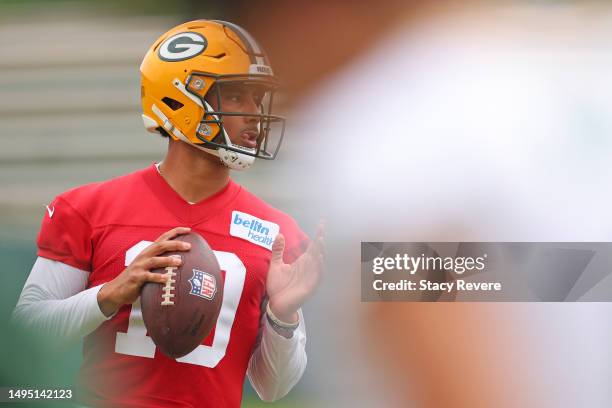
<point>284,314</point>
<point>108,305</point>
<point>281,327</point>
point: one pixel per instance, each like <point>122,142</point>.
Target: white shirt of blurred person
<point>490,140</point>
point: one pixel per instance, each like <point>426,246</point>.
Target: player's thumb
<point>278,247</point>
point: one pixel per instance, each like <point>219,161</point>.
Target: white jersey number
<point>136,342</point>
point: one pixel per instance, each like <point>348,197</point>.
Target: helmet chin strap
<point>235,160</point>
<point>232,159</point>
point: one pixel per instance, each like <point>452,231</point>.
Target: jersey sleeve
<point>65,235</point>
<point>296,241</point>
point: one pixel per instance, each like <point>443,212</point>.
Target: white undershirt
<point>56,303</point>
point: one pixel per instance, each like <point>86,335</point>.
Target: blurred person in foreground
<point>208,87</point>
<point>457,129</point>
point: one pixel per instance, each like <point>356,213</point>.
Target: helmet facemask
<point>211,130</point>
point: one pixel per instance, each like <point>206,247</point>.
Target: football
<point>180,314</point>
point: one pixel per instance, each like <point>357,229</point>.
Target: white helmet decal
<point>182,46</point>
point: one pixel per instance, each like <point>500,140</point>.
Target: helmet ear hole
<point>172,103</point>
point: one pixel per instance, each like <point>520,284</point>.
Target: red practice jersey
<point>101,227</point>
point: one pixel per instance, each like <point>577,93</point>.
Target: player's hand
<point>125,288</point>
<point>289,286</point>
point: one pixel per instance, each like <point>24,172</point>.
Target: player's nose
<point>251,107</point>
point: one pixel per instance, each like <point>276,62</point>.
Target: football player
<point>208,87</point>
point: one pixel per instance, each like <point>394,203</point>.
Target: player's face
<point>241,98</point>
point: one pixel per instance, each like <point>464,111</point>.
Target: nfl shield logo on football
<point>203,284</point>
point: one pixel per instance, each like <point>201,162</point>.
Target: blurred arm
<point>277,363</point>
<point>55,302</point>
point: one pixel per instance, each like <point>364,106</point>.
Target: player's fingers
<point>155,277</point>
<point>303,262</point>
<point>315,268</point>
<point>312,275</point>
<point>321,228</point>
<point>321,263</point>
<point>316,247</point>
<point>173,233</point>
<point>162,262</point>
<point>313,261</point>
<point>319,246</point>
<point>278,247</point>
<point>320,237</point>
<point>166,246</point>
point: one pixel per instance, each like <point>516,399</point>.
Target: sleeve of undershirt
<point>56,303</point>
<point>277,363</point>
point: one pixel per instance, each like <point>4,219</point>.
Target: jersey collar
<point>183,210</point>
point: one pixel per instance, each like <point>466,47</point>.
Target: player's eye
<point>235,97</point>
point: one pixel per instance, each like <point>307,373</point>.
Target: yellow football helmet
<point>197,58</point>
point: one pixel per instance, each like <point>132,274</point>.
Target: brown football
<point>180,314</point>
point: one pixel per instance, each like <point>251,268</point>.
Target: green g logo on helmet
<point>182,46</point>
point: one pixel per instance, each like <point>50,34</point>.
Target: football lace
<point>167,294</point>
